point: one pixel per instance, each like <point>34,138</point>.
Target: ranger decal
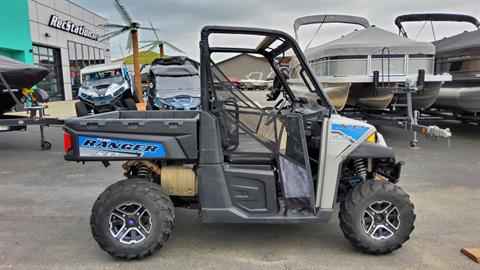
<point>104,147</point>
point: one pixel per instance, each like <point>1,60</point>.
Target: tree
<point>152,44</point>
<point>132,42</point>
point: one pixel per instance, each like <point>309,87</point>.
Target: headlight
<point>119,91</point>
<point>88,92</point>
<point>167,107</point>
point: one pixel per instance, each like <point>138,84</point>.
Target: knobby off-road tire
<point>136,203</point>
<point>377,217</point>
<point>81,109</point>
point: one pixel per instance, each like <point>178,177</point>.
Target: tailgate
<point>127,135</point>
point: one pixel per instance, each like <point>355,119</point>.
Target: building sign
<point>71,27</point>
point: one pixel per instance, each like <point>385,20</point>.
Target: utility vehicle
<point>236,161</point>
<point>105,87</point>
<point>173,84</point>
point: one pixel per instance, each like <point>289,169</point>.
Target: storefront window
<point>50,58</point>
<point>92,55</point>
<point>81,56</point>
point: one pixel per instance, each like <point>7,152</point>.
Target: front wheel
<point>377,217</point>
<point>130,104</point>
<point>132,218</point>
<point>81,109</point>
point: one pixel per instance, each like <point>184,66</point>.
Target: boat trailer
<point>400,114</point>
<point>35,117</point>
<point>443,114</point>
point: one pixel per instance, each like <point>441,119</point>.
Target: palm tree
<point>132,27</point>
<point>152,44</point>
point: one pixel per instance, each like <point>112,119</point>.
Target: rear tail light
<point>67,142</point>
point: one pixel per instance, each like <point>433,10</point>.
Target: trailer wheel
<point>130,104</point>
<point>81,109</point>
<point>132,218</point>
<point>377,217</point>
<point>45,145</point>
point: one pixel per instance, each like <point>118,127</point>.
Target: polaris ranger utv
<point>173,84</point>
<point>236,161</point>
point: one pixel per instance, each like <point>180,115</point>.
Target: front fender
<point>384,159</point>
<point>371,150</point>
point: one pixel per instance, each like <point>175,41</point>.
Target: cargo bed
<point>129,135</point>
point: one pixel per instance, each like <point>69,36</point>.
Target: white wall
<point>40,12</point>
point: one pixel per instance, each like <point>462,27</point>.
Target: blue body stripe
<point>351,132</point>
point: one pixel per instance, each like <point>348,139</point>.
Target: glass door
<point>50,59</point>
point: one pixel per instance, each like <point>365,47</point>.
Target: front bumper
<point>191,103</point>
<point>103,103</point>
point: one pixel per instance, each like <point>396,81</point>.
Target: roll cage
<point>274,44</point>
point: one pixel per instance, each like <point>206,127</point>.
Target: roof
<point>146,57</point>
<point>173,70</point>
<point>101,67</point>
<point>242,54</point>
<point>369,41</point>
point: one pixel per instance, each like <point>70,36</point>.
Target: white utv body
<point>236,161</point>
<point>105,87</point>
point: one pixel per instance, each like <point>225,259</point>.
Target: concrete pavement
<point>45,205</point>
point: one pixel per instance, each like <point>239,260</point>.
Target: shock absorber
<point>360,168</point>
<point>142,170</point>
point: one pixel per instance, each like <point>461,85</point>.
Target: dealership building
<point>56,34</point>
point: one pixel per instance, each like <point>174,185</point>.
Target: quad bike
<point>236,161</point>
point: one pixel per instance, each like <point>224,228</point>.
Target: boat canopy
<point>434,17</point>
<point>329,18</point>
<point>459,42</point>
<point>20,75</point>
<point>369,41</point>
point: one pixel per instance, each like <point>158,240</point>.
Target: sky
<point>179,22</point>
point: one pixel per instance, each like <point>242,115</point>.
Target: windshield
<point>176,84</point>
<point>102,78</point>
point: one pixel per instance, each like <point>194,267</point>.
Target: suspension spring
<point>142,170</point>
<point>360,168</point>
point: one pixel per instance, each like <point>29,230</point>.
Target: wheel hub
<point>130,223</point>
<point>381,220</point>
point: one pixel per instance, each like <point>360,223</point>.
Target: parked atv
<point>105,87</point>
<point>237,161</point>
<point>173,84</point>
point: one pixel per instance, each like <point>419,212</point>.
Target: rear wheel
<point>377,217</point>
<point>81,109</point>
<point>130,104</point>
<point>132,218</point>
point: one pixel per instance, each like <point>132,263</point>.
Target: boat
<point>15,76</point>
<point>366,67</point>
<point>458,55</point>
<point>254,81</point>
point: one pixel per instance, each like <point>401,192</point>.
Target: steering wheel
<point>275,111</point>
